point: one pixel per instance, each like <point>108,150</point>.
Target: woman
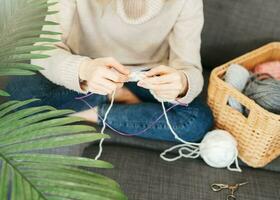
<point>100,40</point>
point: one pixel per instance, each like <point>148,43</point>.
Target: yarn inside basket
<point>237,76</point>
<point>272,68</point>
<point>265,91</point>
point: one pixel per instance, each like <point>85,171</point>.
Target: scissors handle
<point>231,197</point>
<point>218,187</point>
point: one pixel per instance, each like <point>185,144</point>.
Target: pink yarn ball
<point>272,68</point>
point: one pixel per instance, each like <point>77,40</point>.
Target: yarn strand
<point>237,169</point>
<point>104,125</point>
<point>193,152</point>
<point>192,148</point>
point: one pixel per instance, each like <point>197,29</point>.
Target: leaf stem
<point>25,178</point>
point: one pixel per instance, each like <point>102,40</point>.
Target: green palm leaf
<point>27,174</point>
<point>4,94</point>
<point>21,23</point>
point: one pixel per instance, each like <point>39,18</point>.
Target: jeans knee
<point>22,88</point>
<point>27,87</point>
<point>196,127</point>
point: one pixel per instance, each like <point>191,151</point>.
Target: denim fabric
<point>191,123</point>
<point>27,87</point>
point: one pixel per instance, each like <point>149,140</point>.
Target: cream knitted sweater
<point>149,33</point>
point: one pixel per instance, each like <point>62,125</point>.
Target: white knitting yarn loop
<point>192,148</point>
<point>104,126</point>
<point>193,152</point>
<point>237,169</point>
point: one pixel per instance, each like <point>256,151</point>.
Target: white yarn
<point>219,149</point>
<point>137,73</point>
<point>104,125</point>
<point>237,76</point>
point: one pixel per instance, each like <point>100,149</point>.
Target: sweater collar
<point>144,11</point>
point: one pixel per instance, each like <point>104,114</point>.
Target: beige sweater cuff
<point>70,72</point>
<point>192,92</point>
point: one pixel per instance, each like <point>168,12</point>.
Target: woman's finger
<point>104,83</point>
<point>111,62</point>
<point>119,85</point>
<point>160,70</point>
<point>168,78</point>
<point>170,94</point>
<point>98,89</point>
<point>157,87</point>
<point>167,93</point>
<point>109,84</point>
<point>100,92</point>
<point>115,76</point>
<point>165,97</point>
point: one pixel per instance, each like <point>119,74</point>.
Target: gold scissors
<point>216,187</point>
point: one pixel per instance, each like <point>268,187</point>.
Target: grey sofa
<point>232,27</point>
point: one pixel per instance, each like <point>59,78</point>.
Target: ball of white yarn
<point>219,149</point>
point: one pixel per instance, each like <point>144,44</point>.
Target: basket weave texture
<point>258,134</point>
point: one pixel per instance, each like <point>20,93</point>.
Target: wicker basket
<point>258,135</point>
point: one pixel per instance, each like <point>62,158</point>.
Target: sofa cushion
<point>235,27</point>
<point>160,146</point>
<point>144,176</point>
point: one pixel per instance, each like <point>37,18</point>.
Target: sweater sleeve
<point>185,42</point>
<point>62,67</point>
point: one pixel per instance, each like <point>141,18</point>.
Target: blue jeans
<point>191,123</point>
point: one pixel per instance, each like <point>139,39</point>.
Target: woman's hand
<point>103,75</point>
<point>165,82</point>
